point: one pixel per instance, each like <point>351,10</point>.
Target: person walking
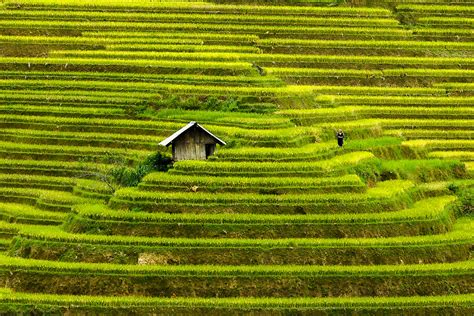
<point>340,138</point>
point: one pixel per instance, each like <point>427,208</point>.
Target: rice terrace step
<point>319,157</point>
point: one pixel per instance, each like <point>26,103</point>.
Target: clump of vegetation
<point>126,176</point>
<point>122,174</point>
<point>211,103</point>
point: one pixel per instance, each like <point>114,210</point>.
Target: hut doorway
<point>210,148</point>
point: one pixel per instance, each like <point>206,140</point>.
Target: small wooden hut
<point>192,142</point>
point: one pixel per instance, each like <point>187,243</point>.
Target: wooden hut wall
<point>192,145</point>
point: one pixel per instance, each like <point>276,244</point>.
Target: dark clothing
<point>340,138</point>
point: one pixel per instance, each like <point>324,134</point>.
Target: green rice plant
<point>26,214</point>
<point>237,38</point>
<point>442,34</point>
<point>151,89</point>
<point>154,126</point>
<point>47,199</point>
<point>168,182</point>
<point>76,185</point>
<point>205,17</point>
<point>103,140</point>
<point>430,133</point>
<point>435,207</point>
<point>276,92</point>
<point>421,278</point>
<point>65,40</point>
<point>257,31</point>
<point>458,155</point>
<point>309,169</point>
<point>424,101</point>
<point>98,96</point>
<point>324,61</point>
<point>311,151</point>
<point>458,22</point>
<point>62,111</point>
<point>422,124</point>
<point>33,97</point>
<point>316,72</point>
<point>422,170</point>
<point>310,116</point>
<point>37,181</point>
<point>55,168</point>
<point>462,234</point>
<point>447,32</point>
<point>79,303</point>
<point>236,28</point>
<point>264,137</point>
<point>167,78</point>
<point>458,268</point>
<point>434,144</point>
<point>182,48</point>
<point>126,65</point>
<point>248,120</point>
<point>308,152</point>
<point>74,151</point>
<point>399,45</point>
<point>433,215</point>
<point>38,4</point>
<point>90,248</point>
<point>456,86</point>
<point>368,90</point>
<point>389,195</point>
<point>92,189</point>
<point>434,9</point>
<point>197,6</point>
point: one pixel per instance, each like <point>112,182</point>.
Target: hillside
<point>94,219</point>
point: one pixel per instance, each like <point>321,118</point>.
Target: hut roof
<point>170,139</point>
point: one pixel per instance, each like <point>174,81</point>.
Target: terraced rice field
<point>281,221</point>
